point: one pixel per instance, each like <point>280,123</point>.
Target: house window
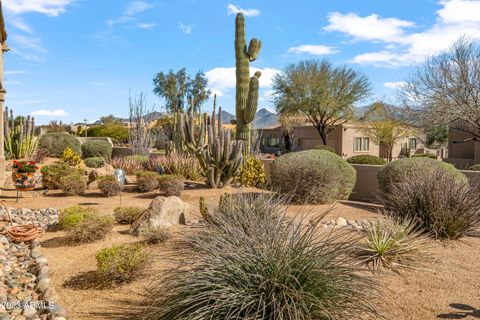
<point>413,144</point>
<point>361,144</point>
<point>271,142</point>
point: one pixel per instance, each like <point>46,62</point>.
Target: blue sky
<point>78,59</point>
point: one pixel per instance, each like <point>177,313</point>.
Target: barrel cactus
<point>247,87</point>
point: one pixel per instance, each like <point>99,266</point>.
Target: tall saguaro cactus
<point>219,157</point>
<point>247,88</point>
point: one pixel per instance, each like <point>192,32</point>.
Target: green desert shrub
<point>74,184</point>
<point>397,171</point>
<point>439,202</point>
<point>251,263</point>
<point>147,181</point>
<point>55,143</point>
<point>475,167</point>
<point>91,228</point>
<point>127,215</point>
<point>324,147</point>
<point>71,216</point>
<point>156,235</point>
<point>97,148</point>
<point>186,166</point>
<point>94,162</point>
<point>109,185</point>
<point>252,173</point>
<point>392,244</point>
<point>366,159</point>
<point>52,174</point>
<point>424,155</point>
<point>122,263</point>
<point>313,176</point>
<point>171,185</point>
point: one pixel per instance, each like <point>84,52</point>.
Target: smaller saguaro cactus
<point>219,156</point>
<point>19,135</point>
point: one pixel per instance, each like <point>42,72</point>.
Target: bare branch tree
<point>140,133</point>
<point>446,90</point>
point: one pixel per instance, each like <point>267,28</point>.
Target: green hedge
<point>397,171</point>
<point>366,159</point>
<point>324,147</point>
<point>475,167</point>
<point>425,155</point>
<point>97,148</point>
<point>313,176</point>
<point>55,143</point>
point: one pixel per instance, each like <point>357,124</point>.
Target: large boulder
<point>163,212</point>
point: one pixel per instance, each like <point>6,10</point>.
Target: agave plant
<point>19,133</point>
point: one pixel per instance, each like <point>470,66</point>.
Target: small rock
<point>341,222</point>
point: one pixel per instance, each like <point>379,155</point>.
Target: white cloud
<point>136,7</point>
<point>146,26</point>
<point>314,50</point>
<point>14,72</point>
<point>394,85</point>
<point>19,24</point>
<point>50,113</point>
<point>233,9</point>
<point>187,29</point>
<point>101,84</point>
<point>371,27</point>
<point>49,7</point>
<point>12,82</point>
<point>29,48</point>
<point>221,80</point>
<point>454,19</point>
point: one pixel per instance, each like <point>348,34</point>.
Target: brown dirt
<point>450,290</point>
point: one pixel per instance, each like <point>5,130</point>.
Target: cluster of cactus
<point>247,88</point>
<point>220,158</point>
<point>19,135</point>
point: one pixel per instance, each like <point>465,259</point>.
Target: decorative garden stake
<point>247,88</point>
<point>120,176</point>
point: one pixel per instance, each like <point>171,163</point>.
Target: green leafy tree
<point>381,126</point>
<point>180,91</point>
<point>323,93</point>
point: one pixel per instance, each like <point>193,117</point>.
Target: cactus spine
<point>19,135</point>
<point>247,88</point>
<point>219,157</point>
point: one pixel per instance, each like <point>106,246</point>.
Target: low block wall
<point>121,152</point>
<point>366,188</point>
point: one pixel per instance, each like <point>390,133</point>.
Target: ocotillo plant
<point>219,157</point>
<point>19,135</point>
<point>247,88</point>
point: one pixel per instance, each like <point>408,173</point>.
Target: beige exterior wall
<point>342,139</point>
<point>462,154</point>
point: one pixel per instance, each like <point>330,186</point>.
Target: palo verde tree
<point>383,128</point>
<point>445,90</point>
<point>323,93</point>
<point>180,91</point>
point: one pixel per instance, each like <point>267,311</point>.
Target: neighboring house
<point>463,148</point>
<point>347,139</point>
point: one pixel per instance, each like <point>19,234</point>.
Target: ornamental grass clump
<point>91,228</point>
<point>393,245</point>
<point>130,164</point>
<point>183,165</point>
<point>171,185</point>
<point>122,263</point>
<point>249,262</point>
<point>439,202</point>
<point>313,176</point>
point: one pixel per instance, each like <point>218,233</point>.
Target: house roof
<point>3,31</point>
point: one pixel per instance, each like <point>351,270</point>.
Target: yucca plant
<point>180,164</point>
<point>392,245</point>
<point>19,133</point>
<point>251,263</point>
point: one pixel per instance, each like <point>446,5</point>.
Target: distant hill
<point>264,118</point>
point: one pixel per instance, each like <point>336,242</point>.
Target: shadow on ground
<point>462,311</point>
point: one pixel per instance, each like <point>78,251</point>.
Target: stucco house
<point>347,139</point>
<point>463,148</point>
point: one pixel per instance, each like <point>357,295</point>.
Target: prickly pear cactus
<point>247,88</point>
